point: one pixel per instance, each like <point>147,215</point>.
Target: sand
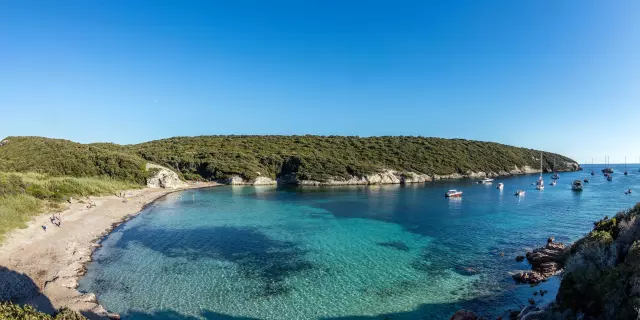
<point>42,268</point>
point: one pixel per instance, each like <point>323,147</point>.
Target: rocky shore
<point>388,177</point>
<point>545,262</point>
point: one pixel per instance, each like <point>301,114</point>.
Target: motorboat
<point>520,193</point>
<point>586,180</point>
<point>593,173</point>
<point>453,193</point>
<point>576,185</point>
<point>609,177</point>
<point>628,192</point>
<point>486,181</point>
<point>500,186</point>
<point>555,176</point>
<point>553,183</point>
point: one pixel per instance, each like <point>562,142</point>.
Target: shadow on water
<point>425,311</point>
<point>173,315</point>
<point>257,255</point>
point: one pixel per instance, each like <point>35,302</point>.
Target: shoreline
<point>44,267</point>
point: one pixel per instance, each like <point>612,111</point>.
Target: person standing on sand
<point>44,227</point>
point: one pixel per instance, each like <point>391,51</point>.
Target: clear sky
<point>562,76</point>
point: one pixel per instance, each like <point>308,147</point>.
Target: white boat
<point>576,185</point>
<point>453,193</point>
<point>553,183</point>
<point>520,193</point>
<point>486,181</point>
<point>540,182</point>
<point>500,186</point>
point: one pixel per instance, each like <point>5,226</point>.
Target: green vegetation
<point>322,157</point>
<point>10,311</point>
<point>306,157</point>
<point>602,276</point>
<point>24,195</point>
<point>57,157</point>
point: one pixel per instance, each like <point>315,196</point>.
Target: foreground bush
<point>10,311</point>
<point>602,276</point>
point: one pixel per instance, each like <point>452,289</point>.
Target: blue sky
<point>562,76</point>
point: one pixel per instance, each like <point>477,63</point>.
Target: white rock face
<point>164,178</point>
<point>263,181</point>
<point>385,177</point>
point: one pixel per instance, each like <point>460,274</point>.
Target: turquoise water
<point>361,252</point>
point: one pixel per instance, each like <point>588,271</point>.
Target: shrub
<point>10,311</point>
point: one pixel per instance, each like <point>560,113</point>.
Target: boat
<point>486,181</point>
<point>625,166</point>
<point>555,175</point>
<point>609,177</point>
<point>540,182</point>
<point>586,180</point>
<point>520,193</point>
<point>628,192</point>
<point>500,186</point>
<point>453,193</point>
<point>576,185</point>
<point>553,183</point>
<point>608,168</point>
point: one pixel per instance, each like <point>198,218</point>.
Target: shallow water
<point>361,252</point>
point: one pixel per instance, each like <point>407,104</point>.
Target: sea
<point>345,252</point>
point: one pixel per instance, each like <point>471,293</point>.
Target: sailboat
<point>555,174</point>
<point>608,168</point>
<point>540,182</point>
<point>625,166</point>
<point>638,162</point>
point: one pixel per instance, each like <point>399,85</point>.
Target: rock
<point>532,302</point>
<point>3,142</point>
<point>464,315</point>
<point>262,181</point>
<point>235,180</point>
<point>520,258</point>
<point>531,277</point>
<point>163,178</point>
<point>545,262</point>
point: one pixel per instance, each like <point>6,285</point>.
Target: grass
<point>26,195</point>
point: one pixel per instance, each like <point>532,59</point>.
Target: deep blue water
<point>361,252</point>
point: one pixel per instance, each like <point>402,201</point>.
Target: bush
<point>10,311</point>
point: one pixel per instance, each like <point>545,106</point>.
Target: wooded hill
<point>307,157</point>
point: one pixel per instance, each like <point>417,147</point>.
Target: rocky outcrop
<point>238,180</point>
<point>464,315</point>
<point>3,142</point>
<point>545,262</point>
<point>161,177</point>
<point>384,177</point>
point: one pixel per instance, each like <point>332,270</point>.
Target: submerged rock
<point>464,315</point>
<point>520,258</point>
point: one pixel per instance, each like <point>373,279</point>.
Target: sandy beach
<point>42,268</point>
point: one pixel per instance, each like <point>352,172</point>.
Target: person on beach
<point>44,227</point>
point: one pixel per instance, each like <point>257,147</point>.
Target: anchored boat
<point>453,193</point>
<point>576,185</point>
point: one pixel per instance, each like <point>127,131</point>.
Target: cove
<point>360,252</point>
